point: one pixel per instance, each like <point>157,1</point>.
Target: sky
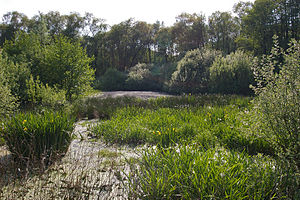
<point>116,11</point>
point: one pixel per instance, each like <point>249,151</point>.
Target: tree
<point>164,43</point>
<point>74,24</point>
<point>189,32</point>
<point>242,8</point>
<point>93,41</point>
<point>192,73</point>
<point>232,74</point>
<point>223,29</point>
<point>118,44</point>
<point>55,22</point>
<point>125,45</point>
<point>287,12</point>
<point>67,66</point>
<point>26,50</point>
<point>39,27</point>
<point>93,25</point>
<point>266,18</point>
<point>61,63</point>
<point>12,23</point>
<point>259,25</point>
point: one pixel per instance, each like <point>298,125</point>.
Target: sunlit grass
<point>36,137</point>
<point>206,124</point>
<point>189,172</point>
<point>105,153</point>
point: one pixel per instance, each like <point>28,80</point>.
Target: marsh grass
<point>189,147</point>
<point>189,172</point>
<point>104,108</point>
<point>105,153</point>
<point>34,138</point>
<point>200,148</point>
<point>203,121</point>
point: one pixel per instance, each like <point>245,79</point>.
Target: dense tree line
<point>250,28</point>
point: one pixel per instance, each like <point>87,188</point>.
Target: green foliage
<point>25,51</point>
<point>192,72</point>
<point>140,71</point>
<point>188,32</point>
<point>143,77</point>
<point>259,22</point>
<point>278,101</point>
<point>188,172</point>
<point>38,137</point>
<point>223,29</point>
<point>24,48</point>
<point>39,94</point>
<point>2,141</point>
<point>8,102</point>
<point>22,85</point>
<point>232,74</point>
<point>112,79</point>
<point>60,63</point>
<point>15,77</point>
<point>66,66</point>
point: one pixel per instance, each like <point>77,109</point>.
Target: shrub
<point>8,102</point>
<point>39,94</point>
<point>140,71</point>
<point>13,78</point>
<point>192,73</point>
<point>112,80</point>
<point>277,105</point>
<point>141,77</point>
<point>232,74</point>
<point>60,62</point>
<point>38,137</point>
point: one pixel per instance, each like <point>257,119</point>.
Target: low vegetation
<point>190,172</point>
<point>208,143</point>
<point>166,125</point>
<point>38,137</point>
<point>197,147</point>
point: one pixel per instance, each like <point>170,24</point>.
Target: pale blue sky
<point>115,11</point>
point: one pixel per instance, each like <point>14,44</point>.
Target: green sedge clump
<point>37,137</point>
